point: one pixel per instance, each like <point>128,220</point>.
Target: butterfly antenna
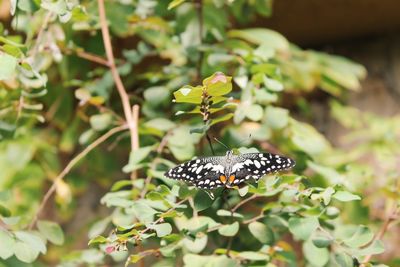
<point>221,143</point>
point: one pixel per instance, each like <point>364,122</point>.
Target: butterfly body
<point>229,170</point>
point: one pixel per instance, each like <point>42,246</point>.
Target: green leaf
<point>316,256</point>
<point>218,84</point>
<point>322,241</point>
<point>375,248</point>
<point>100,122</point>
<point>121,184</point>
<point>262,36</point>
<point>162,229</point>
<point>307,139</point>
<point>7,245</point>
<point>97,240</point>
<point>227,213</point>
<point>327,194</point>
<point>51,231</point>
<point>229,229</point>
<point>254,112</point>
<point>302,228</point>
<point>135,157</point>
<point>276,118</point>
<point>221,119</point>
<point>345,196</point>
<point>189,94</point>
<point>361,237</point>
<point>202,201</point>
<point>175,3</point>
<point>31,239</point>
<point>262,232</point>
<point>8,66</point>
<point>272,85</point>
<point>24,252</point>
<point>344,260</point>
<point>160,124</point>
<point>4,211</point>
<point>253,256</point>
<point>156,95</point>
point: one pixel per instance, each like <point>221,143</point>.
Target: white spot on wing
<point>257,163</point>
<point>218,168</point>
<point>237,167</point>
<point>199,169</point>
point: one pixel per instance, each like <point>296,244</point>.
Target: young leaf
<point>51,231</point>
<point>7,245</point>
<point>302,228</point>
<point>262,232</point>
<point>229,229</point>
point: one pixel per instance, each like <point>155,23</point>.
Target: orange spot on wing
<point>231,178</point>
<point>222,178</point>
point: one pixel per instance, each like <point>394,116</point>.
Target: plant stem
<point>131,116</point>
<point>68,168</point>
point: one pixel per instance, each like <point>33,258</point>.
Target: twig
<point>241,203</point>
<point>385,226</point>
<point>259,216</point>
<point>40,34</point>
<point>199,8</point>
<point>135,140</point>
<point>69,166</point>
<point>92,57</point>
<point>129,116</point>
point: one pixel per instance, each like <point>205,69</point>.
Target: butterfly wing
<point>201,172</point>
<point>256,165</point>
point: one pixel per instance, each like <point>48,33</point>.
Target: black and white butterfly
<point>229,170</point>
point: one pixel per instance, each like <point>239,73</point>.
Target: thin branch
<point>135,139</point>
<point>68,168</point>
<point>393,215</point>
<point>39,36</point>
<point>129,116</point>
<point>259,216</point>
<point>241,203</point>
<point>199,8</point>
<point>92,57</point>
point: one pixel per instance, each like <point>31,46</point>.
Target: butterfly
<point>229,170</point>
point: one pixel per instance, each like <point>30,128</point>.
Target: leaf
<point>316,256</point>
<point>24,252</point>
<point>262,232</point>
<point>218,84</point>
<point>344,260</point>
<point>322,241</point>
<point>272,85</point>
<point>254,112</point>
<point>227,213</point>
<point>262,36</point>
<point>156,95</point>
<point>189,94</point>
<point>160,124</point>
<point>302,228</point>
<point>162,229</point>
<point>7,245</point>
<point>229,229</point>
<point>100,122</point>
<point>175,3</point>
<point>221,119</point>
<point>345,196</point>
<point>375,248</point>
<point>307,139</point>
<point>52,231</point>
<point>253,256</point>
<point>32,239</point>
<point>135,157</point>
<point>97,240</point>
<point>276,118</point>
<point>202,201</point>
<point>4,211</point>
<point>8,66</point>
<point>361,237</point>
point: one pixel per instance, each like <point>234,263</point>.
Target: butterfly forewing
<point>256,165</point>
<point>201,172</point>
